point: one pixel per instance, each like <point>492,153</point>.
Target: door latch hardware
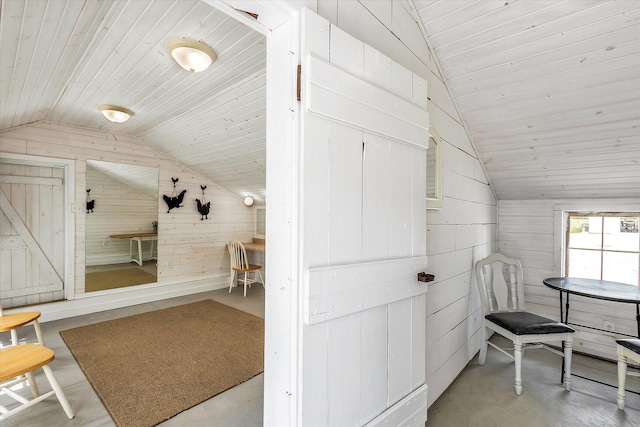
<point>424,277</point>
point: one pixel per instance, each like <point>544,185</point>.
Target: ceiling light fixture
<point>192,55</point>
<point>248,200</point>
<point>115,114</point>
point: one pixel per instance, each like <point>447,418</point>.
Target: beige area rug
<point>150,367</point>
<point>102,280</point>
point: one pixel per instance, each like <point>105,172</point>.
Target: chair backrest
<point>503,291</point>
<point>238,254</point>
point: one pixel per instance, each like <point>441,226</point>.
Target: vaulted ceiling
<point>549,90</point>
<point>61,59</point>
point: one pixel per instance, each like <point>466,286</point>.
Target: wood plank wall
<point>464,230</point>
<point>188,248</point>
<point>458,235</point>
<point>530,230</point>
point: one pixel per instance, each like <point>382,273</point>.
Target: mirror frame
<point>255,221</point>
<point>91,164</point>
<point>436,202</point>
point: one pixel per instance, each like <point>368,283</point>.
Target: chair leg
<point>261,278</point>
<point>483,347</point>
<point>568,348</point>
<point>245,283</point>
<point>59,393</point>
<point>517,355</point>
<point>233,276</point>
<point>32,384</point>
<point>622,377</point>
<point>36,327</point>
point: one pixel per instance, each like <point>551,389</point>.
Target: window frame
<point>566,224</point>
<point>436,202</point>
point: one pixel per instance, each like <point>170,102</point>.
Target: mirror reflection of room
<point>121,225</point>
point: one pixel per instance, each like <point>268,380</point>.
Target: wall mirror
<point>121,220</point>
<point>434,171</point>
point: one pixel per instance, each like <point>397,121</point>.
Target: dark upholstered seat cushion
<point>525,323</point>
<point>631,344</point>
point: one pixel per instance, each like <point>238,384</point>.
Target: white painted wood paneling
<point>188,249</point>
<point>468,201</point>
<point>342,286</point>
<point>343,101</point>
<point>342,290</point>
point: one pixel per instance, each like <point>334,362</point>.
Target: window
<point>604,245</point>
<point>434,171</point>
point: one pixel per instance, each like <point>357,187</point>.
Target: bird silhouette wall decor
<point>203,205</point>
<point>175,201</point>
<point>90,203</point>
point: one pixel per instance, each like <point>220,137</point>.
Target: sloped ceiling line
<point>460,118</point>
<point>538,84</point>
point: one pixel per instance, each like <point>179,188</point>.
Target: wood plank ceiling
<point>59,60</point>
<point>549,90</point>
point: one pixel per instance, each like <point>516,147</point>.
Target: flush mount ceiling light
<point>192,55</point>
<point>115,114</point>
<point>248,200</point>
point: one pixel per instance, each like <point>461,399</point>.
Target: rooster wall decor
<point>203,205</point>
<point>90,203</point>
<point>175,201</point>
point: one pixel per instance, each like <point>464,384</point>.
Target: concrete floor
<point>485,396</point>
<point>480,396</point>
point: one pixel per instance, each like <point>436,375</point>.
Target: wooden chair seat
<point>250,267</point>
<point>10,322</point>
<point>627,349</point>
<point>19,360</point>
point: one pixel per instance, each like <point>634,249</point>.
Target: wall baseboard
<point>123,297</point>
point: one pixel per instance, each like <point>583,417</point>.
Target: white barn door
<point>364,134</point>
<point>32,234</point>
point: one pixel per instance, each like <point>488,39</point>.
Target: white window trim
<point>436,202</point>
<point>560,214</point>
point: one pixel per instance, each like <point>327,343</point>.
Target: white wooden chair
<point>505,314</point>
<point>11,322</point>
<point>240,264</point>
<point>627,349</point>
<point>23,359</point>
